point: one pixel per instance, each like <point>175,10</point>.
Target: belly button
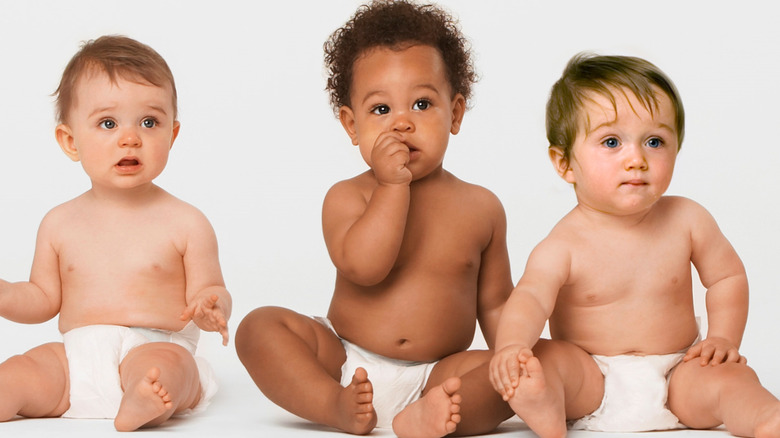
<point>402,342</point>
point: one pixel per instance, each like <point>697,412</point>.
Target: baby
<point>614,277</point>
<point>132,271</point>
<point>420,255</point>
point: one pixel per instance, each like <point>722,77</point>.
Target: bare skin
<point>405,288</point>
<point>437,414</point>
<point>151,397</point>
<point>163,271</point>
<point>614,278</point>
<point>540,402</point>
<point>144,401</point>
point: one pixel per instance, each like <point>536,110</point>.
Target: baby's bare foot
<point>435,415</point>
<point>356,409</point>
<point>537,404</point>
<point>769,423</point>
<point>143,403</point>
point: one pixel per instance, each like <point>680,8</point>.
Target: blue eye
<point>149,123</point>
<point>380,109</point>
<point>422,105</point>
<point>655,142</point>
<point>107,124</point>
<point>611,142</point>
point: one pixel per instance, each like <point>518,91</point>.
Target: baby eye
<point>380,109</point>
<point>107,124</point>
<point>611,142</point>
<point>655,142</point>
<point>422,105</point>
<point>149,123</point>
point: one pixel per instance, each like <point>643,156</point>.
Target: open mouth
<point>127,162</point>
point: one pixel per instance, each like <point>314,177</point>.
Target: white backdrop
<point>259,146</point>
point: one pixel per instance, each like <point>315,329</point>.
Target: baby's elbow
<point>365,276</point>
<point>36,317</point>
<point>49,312</point>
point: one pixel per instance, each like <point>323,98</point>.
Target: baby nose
<point>402,123</point>
<point>635,158</point>
<point>130,138</point>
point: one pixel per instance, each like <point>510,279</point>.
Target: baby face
<point>404,94</point>
<point>623,157</point>
<point>121,131</point>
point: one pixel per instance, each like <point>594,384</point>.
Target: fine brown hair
<point>118,57</point>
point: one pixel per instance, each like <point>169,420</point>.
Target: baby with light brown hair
<point>132,271</point>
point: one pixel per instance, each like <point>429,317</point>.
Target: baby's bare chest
<point>445,242</point>
<point>122,251</point>
<point>610,271</point>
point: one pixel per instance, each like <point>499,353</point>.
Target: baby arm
<point>495,278</point>
<point>722,273</point>
<point>37,300</point>
<point>208,302</point>
<point>364,231</point>
<point>526,313</point>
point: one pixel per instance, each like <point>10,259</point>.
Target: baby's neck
<point>439,174</point>
<point>614,221</point>
<point>129,197</point>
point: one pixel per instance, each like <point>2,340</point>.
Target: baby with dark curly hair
<point>421,255</point>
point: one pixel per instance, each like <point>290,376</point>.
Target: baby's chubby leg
<point>296,362</point>
<point>35,384</point>
<point>703,397</point>
<point>559,382</point>
<point>159,379</point>
<point>458,399</point>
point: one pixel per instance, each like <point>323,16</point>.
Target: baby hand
<point>506,368</point>
<point>389,158</point>
<point>207,313</point>
<point>714,351</point>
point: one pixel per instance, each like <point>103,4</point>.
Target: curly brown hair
<point>397,25</point>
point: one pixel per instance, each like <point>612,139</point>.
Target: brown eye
<point>380,109</point>
<point>422,105</point>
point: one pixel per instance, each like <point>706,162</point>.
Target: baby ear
<point>561,163</point>
<point>458,110</point>
<point>65,138</point>
<point>347,118</point>
<point>176,127</point>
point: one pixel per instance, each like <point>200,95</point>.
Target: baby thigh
<point>295,361</point>
<point>36,383</point>
<point>706,396</point>
<point>571,370</point>
<point>281,349</point>
<point>178,372</point>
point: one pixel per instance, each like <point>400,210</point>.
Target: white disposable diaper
<point>635,394</point>
<point>94,353</point>
<point>396,383</point>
